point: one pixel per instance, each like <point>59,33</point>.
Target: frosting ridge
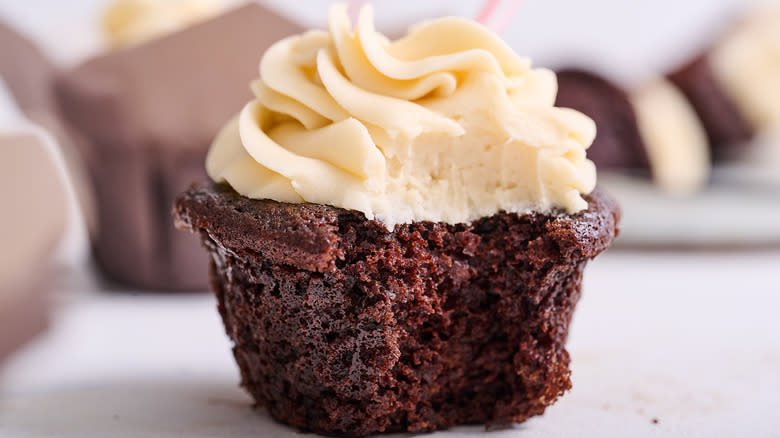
<point>445,124</point>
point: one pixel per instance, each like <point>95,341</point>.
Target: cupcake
<point>726,127</point>
<point>147,115</point>
<point>734,84</point>
<point>746,64</point>
<point>398,229</point>
<point>650,131</point>
<point>618,144</point>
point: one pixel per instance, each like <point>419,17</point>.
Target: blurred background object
<point>129,22</point>
<point>36,198</point>
<point>675,139</point>
<point>146,116</point>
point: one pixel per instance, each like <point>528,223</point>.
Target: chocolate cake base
<point>341,327</point>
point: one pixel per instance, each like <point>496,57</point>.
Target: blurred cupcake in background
<point>147,114</point>
<point>735,84</point>
<point>37,202</point>
<point>746,62</point>
<point>652,131</point>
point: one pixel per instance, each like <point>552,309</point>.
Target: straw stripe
<point>487,11</point>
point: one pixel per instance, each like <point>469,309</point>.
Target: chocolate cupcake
<point>745,63</point>
<point>618,144</point>
<point>652,130</point>
<point>147,115</point>
<point>734,84</point>
<point>398,229</point>
<point>725,125</point>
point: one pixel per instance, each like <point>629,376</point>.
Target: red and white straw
<point>498,23</point>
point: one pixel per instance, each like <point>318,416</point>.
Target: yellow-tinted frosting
<point>446,124</point>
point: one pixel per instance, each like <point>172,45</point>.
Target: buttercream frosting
<point>446,124</point>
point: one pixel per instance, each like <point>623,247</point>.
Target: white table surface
<point>690,340</point>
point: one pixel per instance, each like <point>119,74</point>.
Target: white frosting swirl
<point>445,124</point>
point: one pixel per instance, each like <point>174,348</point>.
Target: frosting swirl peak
<point>445,124</point>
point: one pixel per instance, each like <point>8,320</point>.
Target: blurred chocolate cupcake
<point>651,130</point>
<point>746,62</point>
<point>147,115</point>
<point>618,143</point>
<point>735,84</point>
<point>27,72</point>
<point>727,130</point>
